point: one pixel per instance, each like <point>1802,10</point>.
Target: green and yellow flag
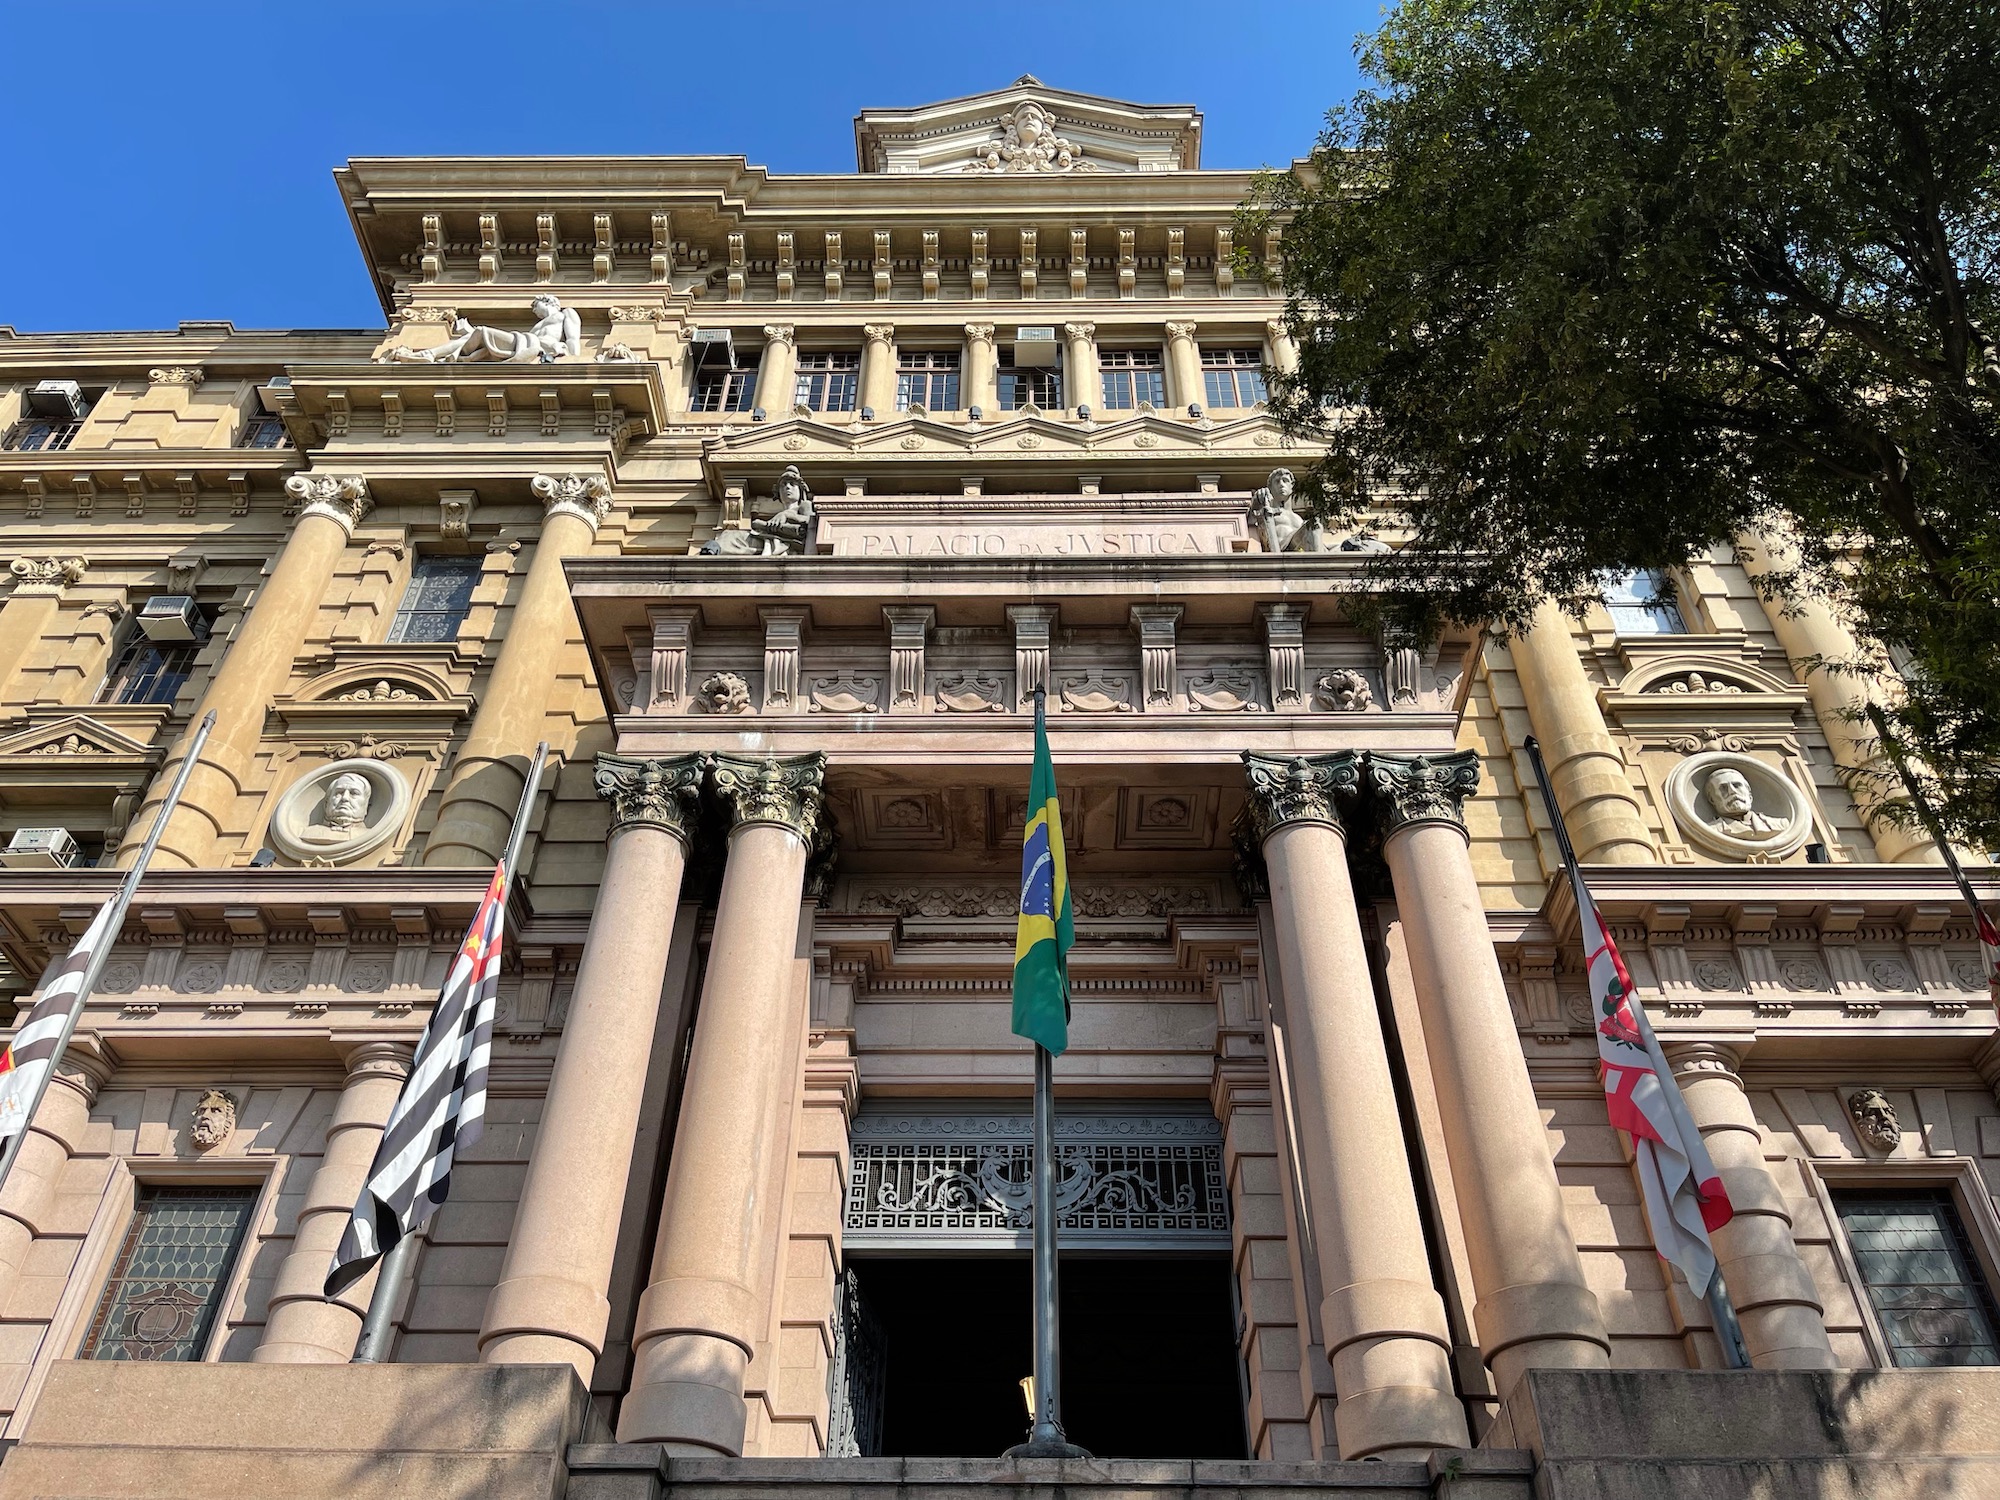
<point>1047,928</point>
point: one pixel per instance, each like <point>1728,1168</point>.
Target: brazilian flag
<point>1047,928</point>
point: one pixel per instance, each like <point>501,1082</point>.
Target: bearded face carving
<point>213,1121</point>
<point>1875,1119</point>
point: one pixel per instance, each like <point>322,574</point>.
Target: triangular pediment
<point>76,734</point>
<point>1029,129</point>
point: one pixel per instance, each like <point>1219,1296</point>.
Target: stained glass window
<point>435,603</point>
<point>1922,1277</point>
<point>171,1274</point>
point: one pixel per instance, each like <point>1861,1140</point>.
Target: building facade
<point>770,502</point>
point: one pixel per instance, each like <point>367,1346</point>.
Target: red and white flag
<point>1685,1199</point>
<point>32,1052</point>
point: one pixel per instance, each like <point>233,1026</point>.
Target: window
<point>1041,386</point>
<point>41,435</point>
<point>725,390</point>
<point>1642,603</point>
<point>150,671</point>
<point>828,382</point>
<point>1233,377</point>
<point>1132,376</point>
<point>927,380</point>
<point>264,432</point>
<point>435,603</point>
<point>1922,1276</point>
<point>171,1274</point>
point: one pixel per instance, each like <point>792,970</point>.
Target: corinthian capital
<point>652,793</point>
<point>780,333</point>
<point>979,333</point>
<point>1423,788</point>
<point>1079,332</point>
<point>1298,789</point>
<point>48,572</point>
<point>782,789</point>
<point>341,498</point>
<point>585,496</point>
<point>1180,330</point>
<point>879,333</point>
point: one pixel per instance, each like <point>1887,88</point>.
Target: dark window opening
<point>1036,385</point>
<point>171,1275</point>
<point>1922,1275</point>
<point>1149,1367</point>
<point>149,671</point>
<point>733,389</point>
<point>1233,377</point>
<point>437,600</point>
<point>264,432</point>
<point>827,382</point>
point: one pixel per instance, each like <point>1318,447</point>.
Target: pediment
<point>74,735</point>
<point>1029,129</point>
<point>370,683</point>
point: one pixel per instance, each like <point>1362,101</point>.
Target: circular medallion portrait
<point>1738,807</point>
<point>340,812</point>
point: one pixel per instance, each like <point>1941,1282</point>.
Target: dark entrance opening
<point>1149,1355</point>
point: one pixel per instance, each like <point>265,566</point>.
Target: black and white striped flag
<point>32,1052</point>
<point>442,1108</point>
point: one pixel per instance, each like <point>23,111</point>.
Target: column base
<point>687,1392</point>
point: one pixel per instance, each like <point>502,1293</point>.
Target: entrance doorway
<point>1149,1355</point>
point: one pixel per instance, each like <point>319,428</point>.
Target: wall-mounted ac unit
<point>40,849</point>
<point>60,399</point>
<point>274,394</point>
<point>714,349</point>
<point>173,619</point>
<point>1035,348</point>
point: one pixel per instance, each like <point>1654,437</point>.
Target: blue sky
<point>173,161</point>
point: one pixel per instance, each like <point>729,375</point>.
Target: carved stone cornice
<point>1298,789</point>
<point>783,789</point>
<point>652,793</point>
<point>46,573</point>
<point>1412,789</point>
<point>585,496</point>
<point>340,498</point>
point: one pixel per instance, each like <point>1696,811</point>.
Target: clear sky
<point>169,161</point>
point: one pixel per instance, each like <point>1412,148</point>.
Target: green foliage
<point>1605,284</point>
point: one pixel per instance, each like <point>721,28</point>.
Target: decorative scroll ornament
<point>652,793</point>
<point>1423,788</point>
<point>1875,1119</point>
<point>1222,691</point>
<point>177,375</point>
<point>213,1121</point>
<point>971,693</point>
<point>785,790</point>
<point>846,695</point>
<point>50,570</point>
<point>585,496</point>
<point>1092,694</point>
<point>1302,789</point>
<point>341,498</point>
<point>444,315</point>
<point>619,353</point>
<point>1028,142</point>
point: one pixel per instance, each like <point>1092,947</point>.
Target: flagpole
<point>94,965</point>
<point>1930,820</point>
<point>378,1326</point>
<point>1728,1328</point>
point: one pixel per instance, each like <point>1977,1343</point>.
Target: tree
<point>1606,284</point>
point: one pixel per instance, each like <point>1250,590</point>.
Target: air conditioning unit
<point>40,849</point>
<point>60,399</point>
<point>714,349</point>
<point>172,618</point>
<point>1035,348</point>
<point>275,394</point>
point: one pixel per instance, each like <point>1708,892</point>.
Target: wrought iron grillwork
<point>163,1295</point>
<point>962,1182</point>
<point>854,1376</point>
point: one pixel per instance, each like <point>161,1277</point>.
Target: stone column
<point>1184,387</point>
<point>1084,387</point>
<point>1783,1321</point>
<point>1280,352</point>
<point>982,366</point>
<point>878,369</point>
<point>1592,786</point>
<point>699,1319</point>
<point>550,1305</point>
<point>777,372</point>
<point>487,777</point>
<point>1534,1306</point>
<point>29,610</point>
<point>303,1327</point>
<point>1807,628</point>
<point>29,1199</point>
<point>1383,1321</point>
<point>257,665</point>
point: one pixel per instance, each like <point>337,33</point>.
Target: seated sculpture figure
<point>1280,525</point>
<point>557,334</point>
<point>788,533</point>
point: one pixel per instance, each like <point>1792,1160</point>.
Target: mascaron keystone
<point>341,498</point>
<point>652,793</point>
<point>1414,789</point>
<point>781,789</point>
<point>1298,789</point>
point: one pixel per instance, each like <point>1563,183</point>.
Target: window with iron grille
<point>828,381</point>
<point>436,602</point>
<point>264,432</point>
<point>1233,377</point>
<point>927,380</point>
<point>1040,386</point>
<point>1922,1276</point>
<point>725,390</point>
<point>1642,603</point>
<point>149,671</point>
<point>41,435</point>
<point>172,1273</point>
<point>1132,376</point>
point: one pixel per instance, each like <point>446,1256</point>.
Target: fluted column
<point>878,369</point>
<point>1084,389</point>
<point>1183,368</point>
<point>982,368</point>
<point>29,1198</point>
<point>304,1327</point>
<point>1534,1306</point>
<point>1383,1321</point>
<point>700,1317</point>
<point>1592,786</point>
<point>487,778</point>
<point>550,1305</point>
<point>25,618</point>
<point>777,372</point>
<point>257,665</point>
<point>1808,629</point>
<point>1784,1323</point>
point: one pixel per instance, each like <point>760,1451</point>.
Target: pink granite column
<point>700,1318</point>
<point>304,1327</point>
<point>1784,1324</point>
<point>1535,1309</point>
<point>549,1306</point>
<point>1384,1323</point>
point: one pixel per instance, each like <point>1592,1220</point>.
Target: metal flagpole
<point>94,965</point>
<point>378,1327</point>
<point>1728,1330</point>
<point>1923,806</point>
